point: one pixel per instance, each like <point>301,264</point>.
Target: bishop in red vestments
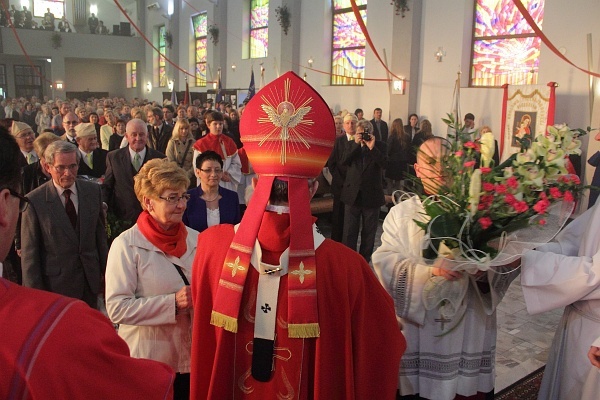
<point>280,312</point>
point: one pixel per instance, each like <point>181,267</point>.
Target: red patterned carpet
<point>524,389</point>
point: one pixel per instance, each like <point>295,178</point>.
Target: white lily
<point>475,191</point>
<point>488,146</point>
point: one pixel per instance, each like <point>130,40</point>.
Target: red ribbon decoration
<point>363,27</point>
<point>149,42</point>
<point>12,27</point>
<point>544,38</point>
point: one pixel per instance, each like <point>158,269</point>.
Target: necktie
<point>89,160</point>
<point>30,158</point>
<point>70,208</point>
<point>137,161</point>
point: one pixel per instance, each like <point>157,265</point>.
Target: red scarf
<point>213,142</point>
<point>171,242</point>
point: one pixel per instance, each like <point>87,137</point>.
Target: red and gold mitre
<point>288,133</point>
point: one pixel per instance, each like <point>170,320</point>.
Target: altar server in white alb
<point>566,273</point>
<point>450,348</point>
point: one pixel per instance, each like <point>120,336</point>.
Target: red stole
<point>214,142</point>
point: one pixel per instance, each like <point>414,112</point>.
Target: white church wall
<point>566,25</point>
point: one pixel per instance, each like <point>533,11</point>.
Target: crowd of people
<point>24,19</point>
<point>132,206</point>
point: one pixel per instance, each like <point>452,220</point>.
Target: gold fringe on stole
<point>303,330</point>
<point>224,321</point>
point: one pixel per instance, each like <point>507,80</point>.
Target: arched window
<point>259,28</point>
<point>505,48</point>
<point>200,31</point>
<point>348,44</point>
<point>162,64</point>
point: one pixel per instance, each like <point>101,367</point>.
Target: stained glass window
<point>199,22</point>
<point>162,64</point>
<point>505,48</point>
<point>259,28</point>
<point>348,44</point>
<point>131,74</point>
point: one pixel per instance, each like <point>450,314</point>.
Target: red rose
<point>569,196</point>
<point>500,188</point>
<point>488,187</point>
<point>555,192</point>
<point>485,170</point>
<point>485,222</point>
<point>512,182</point>
<point>469,164</point>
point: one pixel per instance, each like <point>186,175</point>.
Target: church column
<point>406,45</point>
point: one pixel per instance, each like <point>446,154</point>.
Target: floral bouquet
<point>486,215</point>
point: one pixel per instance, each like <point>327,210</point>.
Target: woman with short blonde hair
<point>149,270</point>
<point>180,147</point>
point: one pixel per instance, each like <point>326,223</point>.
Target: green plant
<point>401,7</point>
<point>284,18</point>
<point>168,39</point>
<point>213,31</point>
<point>115,226</point>
<point>56,40</point>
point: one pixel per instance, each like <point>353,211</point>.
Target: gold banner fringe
<point>304,330</point>
<point>224,321</point>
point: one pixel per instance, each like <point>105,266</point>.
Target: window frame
<point>475,39</point>
<point>161,61</point>
<point>353,81</point>
<point>199,82</point>
<point>251,40</point>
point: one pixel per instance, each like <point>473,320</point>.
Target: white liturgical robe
<point>437,366</point>
<point>566,273</point>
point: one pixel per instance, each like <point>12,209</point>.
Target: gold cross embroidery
<point>301,272</point>
<point>235,266</point>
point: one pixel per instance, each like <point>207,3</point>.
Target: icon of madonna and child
<point>524,129</point>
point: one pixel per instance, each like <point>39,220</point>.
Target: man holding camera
<point>362,193</point>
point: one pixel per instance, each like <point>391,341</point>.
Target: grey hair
<point>366,125</point>
<point>134,122</point>
<point>60,146</point>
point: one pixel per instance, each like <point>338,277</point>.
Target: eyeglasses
<point>71,122</point>
<point>62,168</point>
<point>23,201</point>
<point>210,170</point>
<point>174,199</point>
<point>25,135</point>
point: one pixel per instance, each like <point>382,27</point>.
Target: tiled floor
<point>523,340</point>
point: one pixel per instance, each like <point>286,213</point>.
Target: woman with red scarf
<point>149,272</point>
<point>224,146</point>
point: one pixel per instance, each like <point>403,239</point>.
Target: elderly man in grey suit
<point>121,166</point>
<point>63,237</point>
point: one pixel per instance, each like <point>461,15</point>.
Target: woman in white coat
<point>149,272</point>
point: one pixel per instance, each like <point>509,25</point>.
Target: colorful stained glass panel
<point>259,42</point>
<point>134,74</point>
<point>199,23</point>
<point>501,17</point>
<point>201,74</point>
<point>259,14</point>
<point>341,4</point>
<point>348,67</point>
<point>514,61</point>
<point>347,32</point>
<point>201,50</point>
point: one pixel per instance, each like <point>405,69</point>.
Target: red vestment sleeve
<point>57,347</point>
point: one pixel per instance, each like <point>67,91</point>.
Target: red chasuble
<point>357,355</point>
<point>55,347</point>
